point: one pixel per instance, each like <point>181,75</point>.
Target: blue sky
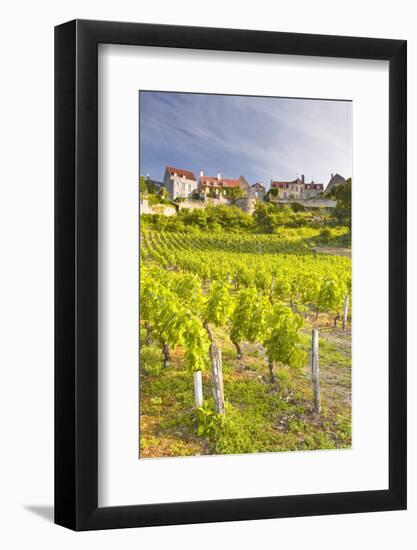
<point>260,138</point>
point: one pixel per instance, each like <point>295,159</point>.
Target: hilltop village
<point>184,190</point>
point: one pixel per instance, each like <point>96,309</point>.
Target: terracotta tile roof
<point>187,173</point>
<point>222,183</point>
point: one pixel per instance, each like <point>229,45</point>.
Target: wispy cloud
<point>261,138</point>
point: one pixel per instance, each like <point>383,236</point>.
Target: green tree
<point>264,217</point>
<point>343,195</point>
<point>235,193</point>
<point>143,187</point>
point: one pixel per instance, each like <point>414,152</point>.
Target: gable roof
<point>335,181</point>
<point>180,172</point>
<point>258,185</point>
<point>337,177</point>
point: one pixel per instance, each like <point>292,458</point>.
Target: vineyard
<point>226,342</point>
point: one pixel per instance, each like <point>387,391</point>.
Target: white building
<point>257,191</point>
<point>297,189</point>
<point>179,183</point>
<point>219,187</point>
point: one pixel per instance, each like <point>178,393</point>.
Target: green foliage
<point>213,218</point>
<point>272,194</point>
<point>240,283</point>
<point>150,360</point>
<point>297,207</point>
<point>222,217</point>
<point>219,304</point>
<point>206,420</point>
<point>331,295</point>
<point>196,345</point>
<point>143,187</point>
<point>165,304</point>
<point>283,342</point>
<point>249,318</point>
<point>227,433</point>
<point>276,265</point>
<point>158,198</point>
<point>343,195</point>
<point>230,434</point>
<point>265,217</point>
<point>235,193</point>
<point>325,234</point>
<point>270,217</point>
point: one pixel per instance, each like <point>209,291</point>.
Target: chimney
<point>302,178</point>
<point>201,173</point>
<point>219,176</point>
<point>331,176</point>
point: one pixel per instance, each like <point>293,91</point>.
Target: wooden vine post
<point>216,371</point>
<point>198,388</point>
<point>315,370</point>
<point>345,311</point>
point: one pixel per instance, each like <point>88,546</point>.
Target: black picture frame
<point>76,272</point>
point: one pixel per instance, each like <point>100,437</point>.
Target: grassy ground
<point>261,416</point>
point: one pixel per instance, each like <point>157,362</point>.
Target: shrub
<point>150,360</point>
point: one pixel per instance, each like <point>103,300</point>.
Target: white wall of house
<point>179,186</point>
<point>298,191</point>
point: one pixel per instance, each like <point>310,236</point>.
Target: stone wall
<point>310,203</point>
<point>163,209</point>
<point>191,204</point>
<point>246,204</point>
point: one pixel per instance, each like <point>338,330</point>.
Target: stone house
<point>219,187</point>
<point>297,189</point>
<point>257,191</point>
<point>179,183</point>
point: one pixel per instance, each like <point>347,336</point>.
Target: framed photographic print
<point>230,244</point>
